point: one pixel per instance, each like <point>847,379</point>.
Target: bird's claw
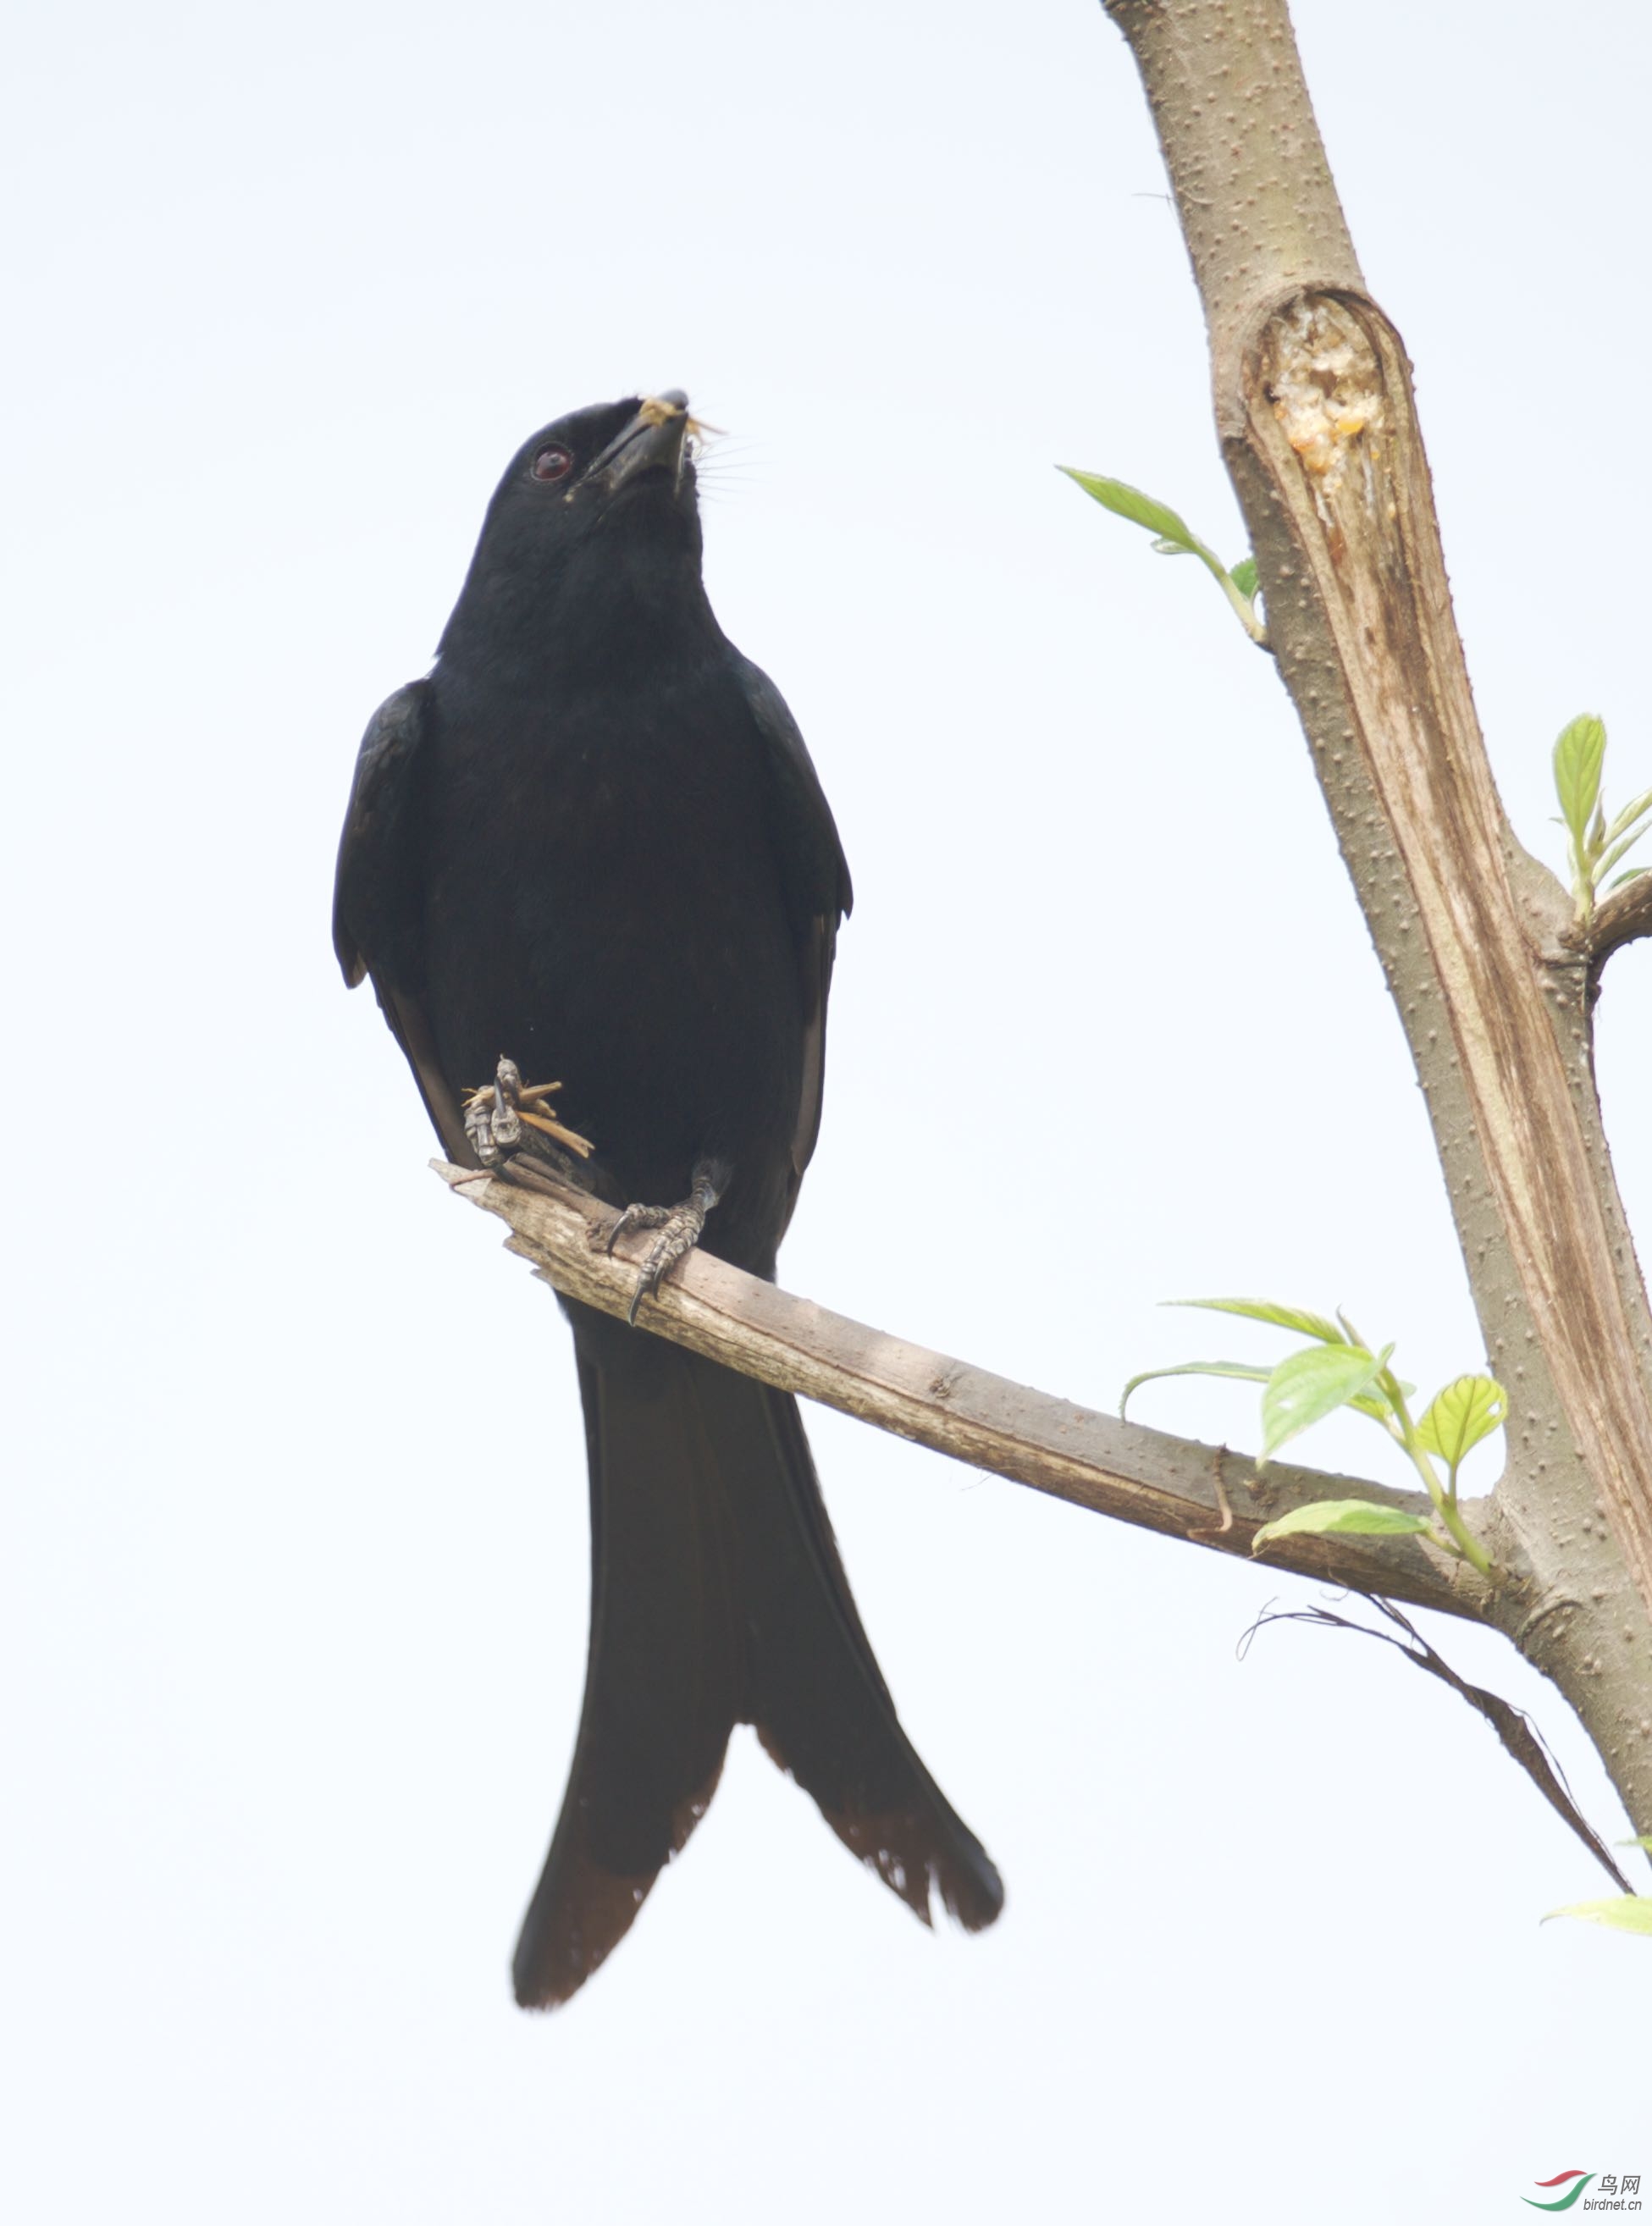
<point>680,1229</point>
<point>496,1115</point>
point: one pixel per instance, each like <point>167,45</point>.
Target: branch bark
<point>1625,917</point>
<point>1204,1494</point>
<point>1315,412</point>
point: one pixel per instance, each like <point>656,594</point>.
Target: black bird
<point>593,840</point>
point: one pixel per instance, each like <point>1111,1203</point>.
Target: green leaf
<point>1378,1407</point>
<point>1641,1839</point>
<point>1140,509</point>
<point>1245,1373</point>
<point>1307,1386</point>
<point>1634,874</point>
<point>1625,1912</point>
<point>1172,537</point>
<point>1618,850</point>
<point>1243,576</point>
<point>1629,815</point>
<point>1269,1310</point>
<point>1464,1413</point>
<point>1579,754</point>
<point>1323,1517</point>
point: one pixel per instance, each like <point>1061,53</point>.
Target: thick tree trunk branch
<point>1314,407</point>
<point>1330,421</point>
<point>1202,1493</point>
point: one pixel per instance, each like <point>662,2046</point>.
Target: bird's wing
<point>376,922</point>
<point>818,874</point>
<point>816,879</point>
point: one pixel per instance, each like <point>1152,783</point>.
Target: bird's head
<point>598,509</point>
<point>573,478</point>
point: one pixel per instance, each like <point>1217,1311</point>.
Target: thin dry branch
<point>1205,1494</point>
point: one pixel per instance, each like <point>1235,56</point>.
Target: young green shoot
<point>1339,1368</point>
<point>1172,537</point>
<point>1594,844</point>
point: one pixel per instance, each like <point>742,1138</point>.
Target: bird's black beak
<point>651,442</point>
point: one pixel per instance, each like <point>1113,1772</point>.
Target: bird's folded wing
<point>376,920</point>
<point>816,877</point>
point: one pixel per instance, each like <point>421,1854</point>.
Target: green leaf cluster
<point>1174,537</point>
<point>1595,844</point>
<point>1339,1368</point>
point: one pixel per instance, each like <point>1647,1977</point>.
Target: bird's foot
<point>680,1228</point>
<point>503,1118</point>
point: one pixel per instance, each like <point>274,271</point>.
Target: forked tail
<point>718,1598</point>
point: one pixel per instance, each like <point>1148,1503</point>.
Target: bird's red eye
<point>553,462</point>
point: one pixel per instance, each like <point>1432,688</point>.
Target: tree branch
<point>1202,1493</point>
<point>1316,415</point>
<point>1623,918</point>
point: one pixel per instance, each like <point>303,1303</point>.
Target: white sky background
<point>293,1593</point>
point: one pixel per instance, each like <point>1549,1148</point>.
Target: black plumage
<point>593,840</point>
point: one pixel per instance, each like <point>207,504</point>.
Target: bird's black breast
<point>604,902</point>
